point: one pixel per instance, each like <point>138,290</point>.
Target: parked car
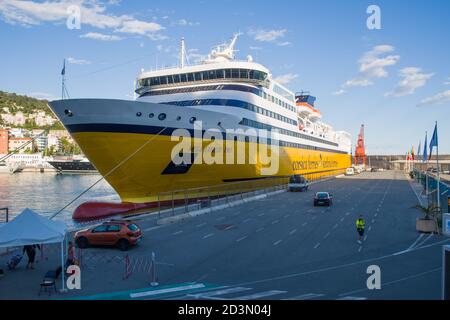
<point>122,234</point>
<point>323,199</point>
<point>298,183</point>
<point>350,172</point>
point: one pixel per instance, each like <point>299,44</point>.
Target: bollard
<point>153,277</point>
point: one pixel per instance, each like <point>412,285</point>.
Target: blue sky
<point>395,80</point>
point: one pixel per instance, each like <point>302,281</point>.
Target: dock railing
<point>188,200</point>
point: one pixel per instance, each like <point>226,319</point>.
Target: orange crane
<point>360,151</point>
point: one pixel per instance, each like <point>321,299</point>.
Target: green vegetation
<point>27,106</point>
<point>69,148</point>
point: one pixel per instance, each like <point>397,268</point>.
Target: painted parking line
<point>335,226</point>
<point>208,236</point>
<point>327,235</point>
<point>317,245</point>
<point>220,218</point>
<point>259,295</point>
<point>304,224</point>
<point>307,296</point>
<point>213,294</point>
<point>293,231</point>
<point>277,242</point>
<point>275,221</point>
<point>201,225</point>
<point>246,220</point>
<point>260,229</point>
<point>241,239</point>
<point>177,233</point>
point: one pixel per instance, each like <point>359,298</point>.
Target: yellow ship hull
<point>133,164</point>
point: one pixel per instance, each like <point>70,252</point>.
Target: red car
<point>122,234</point>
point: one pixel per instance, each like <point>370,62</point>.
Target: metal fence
<point>425,179</point>
<point>184,201</point>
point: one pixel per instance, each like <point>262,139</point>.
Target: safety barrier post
<point>153,277</point>
<point>173,204</point>
<point>127,272</point>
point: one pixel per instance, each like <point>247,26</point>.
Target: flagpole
<point>438,175</point>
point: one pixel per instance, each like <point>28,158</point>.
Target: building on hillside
<point>18,132</point>
<point>4,141</point>
<point>15,143</point>
<point>40,142</point>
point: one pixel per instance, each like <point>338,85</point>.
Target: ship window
<point>192,120</point>
<point>235,73</point>
<point>151,115</point>
<point>178,118</point>
<point>198,76</point>
<point>162,116</point>
<point>183,77</point>
<point>219,74</point>
<point>176,78</point>
<point>139,114</point>
<point>205,75</point>
<point>243,73</point>
<point>228,73</point>
<point>190,77</point>
<point>163,80</point>
<point>212,74</point>
<point>169,79</point>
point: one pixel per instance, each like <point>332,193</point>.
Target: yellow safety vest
<point>360,224</point>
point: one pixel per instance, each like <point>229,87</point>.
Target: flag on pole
<point>412,153</point>
<point>418,149</point>
<point>425,154</point>
<point>63,71</point>
<point>434,140</point>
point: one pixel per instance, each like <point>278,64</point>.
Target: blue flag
<point>434,140</point>
<point>425,155</point>
<point>63,71</point>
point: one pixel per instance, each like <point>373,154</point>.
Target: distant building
<point>53,141</point>
<point>4,141</point>
<point>41,143</point>
<point>18,132</point>
<point>15,143</point>
<point>60,133</point>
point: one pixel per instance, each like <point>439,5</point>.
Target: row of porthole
<point>163,116</point>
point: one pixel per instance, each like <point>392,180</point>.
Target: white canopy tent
<point>30,228</point>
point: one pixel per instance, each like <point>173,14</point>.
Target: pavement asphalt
<point>280,247</point>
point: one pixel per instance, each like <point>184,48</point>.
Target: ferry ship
<point>129,142</point>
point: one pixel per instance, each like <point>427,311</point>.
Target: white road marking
<point>370,228</point>
<point>261,214</point>
<point>240,239</point>
<point>246,220</point>
<point>275,221</point>
<point>201,225</point>
<point>313,217</point>
<point>373,220</point>
<point>360,248</point>
<point>287,216</point>
<point>260,229</point>
<point>208,236</point>
<point>277,242</point>
<point>260,295</point>
<point>317,245</point>
<point>304,224</point>
<point>177,233</point>
<point>306,296</point>
<point>365,237</point>
<point>220,219</point>
<point>347,214</point>
<point>335,226</point>
<point>168,290</point>
<point>426,239</point>
<point>228,228</point>
<point>214,293</point>
<point>416,242</point>
<point>352,298</point>
<point>293,231</point>
<point>342,219</point>
<point>152,228</point>
<point>327,235</point>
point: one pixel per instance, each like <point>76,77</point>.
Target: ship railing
<point>216,197</point>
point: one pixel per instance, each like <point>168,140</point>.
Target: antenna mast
<point>182,53</point>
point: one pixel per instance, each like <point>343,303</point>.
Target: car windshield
<point>296,179</point>
<point>322,195</point>
<point>133,227</point>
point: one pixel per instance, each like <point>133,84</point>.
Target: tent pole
<point>62,265</point>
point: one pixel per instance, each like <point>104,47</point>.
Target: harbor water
<point>48,193</point>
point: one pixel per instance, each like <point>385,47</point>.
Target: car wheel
<point>123,244</point>
<point>82,243</point>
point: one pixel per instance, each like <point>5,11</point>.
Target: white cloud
<point>263,35</point>
<point>255,48</point>
<point>184,22</point>
<point>413,78</point>
<point>43,96</point>
<point>373,65</point>
<point>284,44</point>
<point>286,78</point>
<point>72,60</point>
<point>339,92</point>
<point>100,36</point>
<point>439,98</point>
<point>93,14</point>
<point>357,82</point>
<point>447,82</point>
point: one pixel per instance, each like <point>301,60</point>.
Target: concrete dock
<point>280,247</point>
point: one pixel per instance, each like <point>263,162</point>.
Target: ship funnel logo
<point>215,146</point>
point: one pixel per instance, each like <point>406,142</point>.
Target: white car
<point>350,172</point>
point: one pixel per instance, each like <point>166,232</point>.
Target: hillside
<point>26,112</point>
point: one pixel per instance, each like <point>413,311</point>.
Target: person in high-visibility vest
<point>360,225</point>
